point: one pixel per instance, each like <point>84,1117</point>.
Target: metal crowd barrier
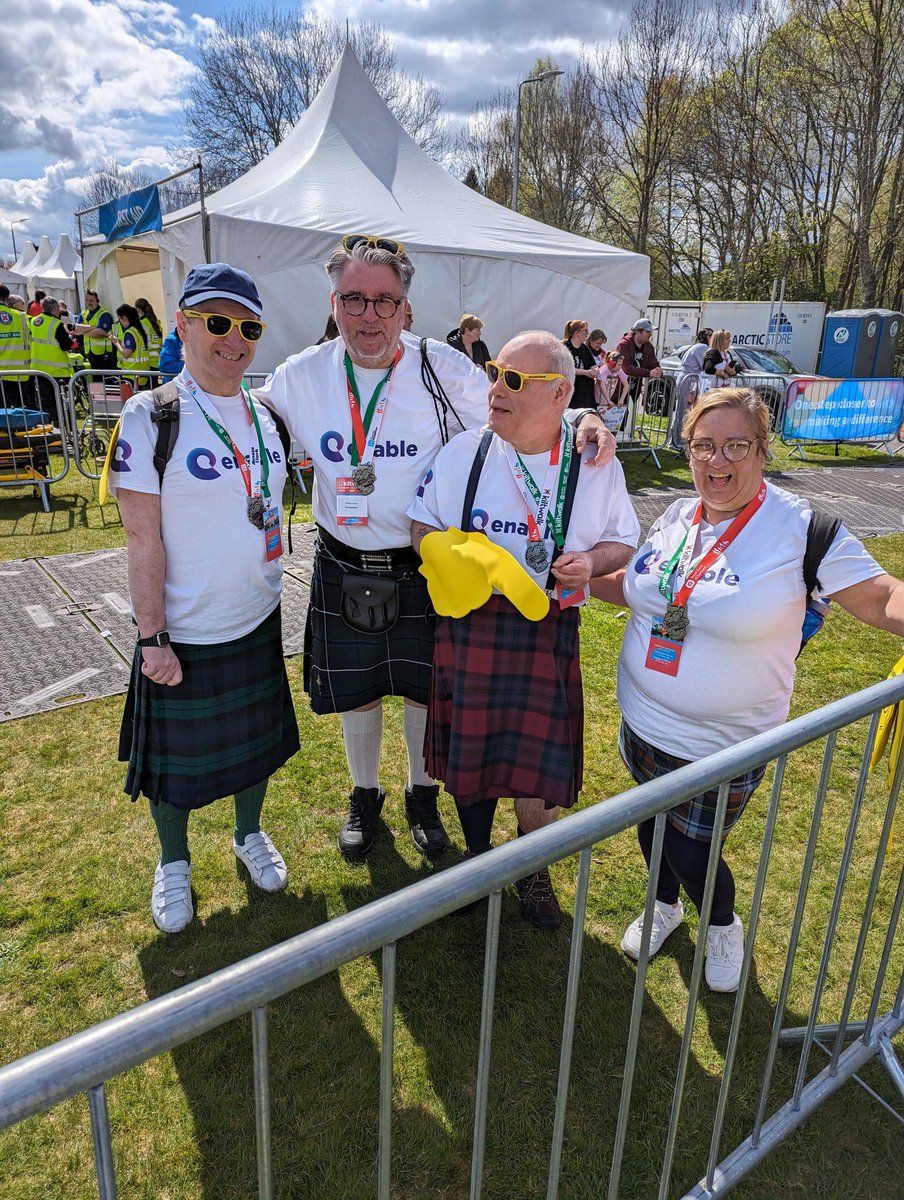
<point>35,432</point>
<point>85,1061</point>
<point>655,407</point>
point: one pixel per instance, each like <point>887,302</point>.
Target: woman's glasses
<point>219,325</point>
<point>703,449</point>
<point>390,245</point>
<point>513,380</point>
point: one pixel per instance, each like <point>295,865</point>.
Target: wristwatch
<point>161,638</point>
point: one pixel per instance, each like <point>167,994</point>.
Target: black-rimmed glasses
<point>356,305</point>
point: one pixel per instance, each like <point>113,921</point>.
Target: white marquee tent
<point>35,265</point>
<point>26,257</point>
<point>349,167</point>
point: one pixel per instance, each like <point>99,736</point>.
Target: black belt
<point>391,559</point>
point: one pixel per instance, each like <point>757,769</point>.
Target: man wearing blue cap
<point>209,712</point>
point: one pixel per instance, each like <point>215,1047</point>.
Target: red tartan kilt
<point>506,712</point>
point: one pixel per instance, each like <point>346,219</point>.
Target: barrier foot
<point>885,1052</point>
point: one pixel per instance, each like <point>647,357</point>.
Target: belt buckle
<point>376,561</point>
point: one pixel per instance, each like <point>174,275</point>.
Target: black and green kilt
<point>227,726</point>
<point>506,713</point>
<point>345,669</point>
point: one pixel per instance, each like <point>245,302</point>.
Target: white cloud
<point>91,77</point>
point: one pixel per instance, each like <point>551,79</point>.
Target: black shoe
<point>356,837</point>
<point>423,819</point>
<point>538,900</point>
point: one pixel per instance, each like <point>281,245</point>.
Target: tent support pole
<point>205,223</point>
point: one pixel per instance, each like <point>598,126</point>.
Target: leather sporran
<point>369,603</point>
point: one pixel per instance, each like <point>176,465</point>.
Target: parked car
<point>768,371</point>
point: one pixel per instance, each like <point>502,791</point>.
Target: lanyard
<point>532,495</point>
<point>213,420</point>
<point>686,550</point>
<point>366,431</point>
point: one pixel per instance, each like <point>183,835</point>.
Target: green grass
<point>77,945</point>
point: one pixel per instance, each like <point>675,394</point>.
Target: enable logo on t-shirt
<point>644,563</point>
<point>332,444</point>
<point>202,461</point>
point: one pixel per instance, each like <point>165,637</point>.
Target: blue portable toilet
<point>849,343</point>
<point>889,331</point>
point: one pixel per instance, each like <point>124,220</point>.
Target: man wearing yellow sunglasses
<point>209,712</point>
<point>506,707</point>
<point>369,410</point>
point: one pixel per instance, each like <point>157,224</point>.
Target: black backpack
<point>820,535</point>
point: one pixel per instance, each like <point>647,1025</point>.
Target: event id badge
<point>663,655</point>
<point>351,504</point>
<point>568,597</point>
<point>272,534</point>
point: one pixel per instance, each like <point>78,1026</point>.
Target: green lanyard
<point>361,429</point>
<point>227,441</point>
<point>554,519</point>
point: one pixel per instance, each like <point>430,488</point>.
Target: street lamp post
<point>517,169</point>
<point>12,231</point>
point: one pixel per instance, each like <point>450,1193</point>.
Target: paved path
<point>67,635</point>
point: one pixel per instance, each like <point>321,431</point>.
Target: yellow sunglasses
<point>219,325</point>
<point>390,245</point>
<point>513,380</point>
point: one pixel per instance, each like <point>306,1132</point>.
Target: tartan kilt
<point>695,817</point>
<point>506,713</point>
<point>345,669</point>
<point>227,726</point>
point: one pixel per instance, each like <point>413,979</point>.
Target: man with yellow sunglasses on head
<point>373,408</point>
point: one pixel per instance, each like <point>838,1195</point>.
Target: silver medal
<point>365,477</point>
<point>675,622</point>
<point>536,557</point>
<point>256,511</point>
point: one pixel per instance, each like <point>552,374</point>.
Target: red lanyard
<point>719,547</point>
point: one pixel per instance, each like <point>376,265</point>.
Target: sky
<point>83,80</point>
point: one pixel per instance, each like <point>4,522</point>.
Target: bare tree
<point>261,68</point>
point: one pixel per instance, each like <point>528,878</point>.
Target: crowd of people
<point>466,509</point>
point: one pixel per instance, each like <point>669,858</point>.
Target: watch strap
<point>160,638</point>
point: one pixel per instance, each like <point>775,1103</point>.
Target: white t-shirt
<point>602,510</point>
<point>737,665</point>
<point>219,585</point>
<point>309,391</point>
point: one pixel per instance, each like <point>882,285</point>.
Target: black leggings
<point>477,824</point>
<point>683,864</point>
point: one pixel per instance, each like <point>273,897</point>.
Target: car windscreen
<point>770,362</point>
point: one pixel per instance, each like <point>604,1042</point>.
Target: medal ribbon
<point>367,430</point>
<point>686,549</point>
<point>532,495</point>
<point>213,420</point>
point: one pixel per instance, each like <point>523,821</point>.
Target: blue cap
<point>220,281</point>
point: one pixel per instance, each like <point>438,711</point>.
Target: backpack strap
<point>820,535</point>
<point>441,402</point>
<point>165,416</point>
<point>473,479</point>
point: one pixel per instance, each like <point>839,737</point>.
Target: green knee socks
<point>248,805</point>
<point>172,829</point>
<point>172,823</point>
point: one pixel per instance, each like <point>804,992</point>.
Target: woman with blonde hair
<point>719,366</point>
<point>466,338</point>
<point>717,600</point>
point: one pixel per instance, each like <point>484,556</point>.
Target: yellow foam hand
<point>890,729</point>
<point>102,493</point>
<point>462,569</point>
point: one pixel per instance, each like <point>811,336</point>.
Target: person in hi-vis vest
<point>15,389</point>
<point>99,350</point>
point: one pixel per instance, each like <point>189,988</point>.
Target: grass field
<point>77,944</point>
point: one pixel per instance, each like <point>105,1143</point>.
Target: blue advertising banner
<point>842,410</point>
<point>136,212</point>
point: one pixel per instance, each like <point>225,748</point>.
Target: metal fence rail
<point>34,428</point>
<point>85,1061</point>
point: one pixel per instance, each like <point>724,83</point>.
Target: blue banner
<point>842,410</point>
<point>136,212</point>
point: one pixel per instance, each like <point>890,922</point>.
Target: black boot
<point>356,837</point>
<point>538,900</point>
<point>422,815</point>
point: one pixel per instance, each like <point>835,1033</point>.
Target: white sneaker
<point>264,862</point>
<point>666,919</point>
<point>724,956</point>
<point>171,905</point>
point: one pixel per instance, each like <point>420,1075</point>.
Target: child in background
<point>612,391</point>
